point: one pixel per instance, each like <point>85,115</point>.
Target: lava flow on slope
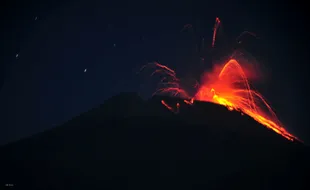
<point>227,85</point>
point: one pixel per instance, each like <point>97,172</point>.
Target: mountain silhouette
<point>131,143</point>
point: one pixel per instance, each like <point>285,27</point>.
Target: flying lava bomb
<point>226,84</point>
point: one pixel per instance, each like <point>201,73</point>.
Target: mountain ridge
<point>131,143</point>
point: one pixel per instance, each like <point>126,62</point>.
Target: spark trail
<point>226,85</point>
<point>216,26</point>
<point>244,33</point>
<point>169,84</point>
<point>230,87</point>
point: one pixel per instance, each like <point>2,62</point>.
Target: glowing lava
<point>231,88</point>
<point>226,85</point>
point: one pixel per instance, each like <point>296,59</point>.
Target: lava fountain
<point>226,85</point>
<point>230,87</point>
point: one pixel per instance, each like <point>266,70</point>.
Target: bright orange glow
<point>226,85</point>
<point>229,86</point>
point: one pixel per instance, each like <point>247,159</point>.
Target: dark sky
<point>45,85</point>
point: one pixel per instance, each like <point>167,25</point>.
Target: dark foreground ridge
<point>129,143</point>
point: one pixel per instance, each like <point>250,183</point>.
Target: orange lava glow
<point>230,87</point>
<point>226,85</point>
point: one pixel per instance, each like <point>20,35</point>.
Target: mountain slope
<point>128,143</point>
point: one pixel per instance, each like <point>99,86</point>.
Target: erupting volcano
<point>227,85</point>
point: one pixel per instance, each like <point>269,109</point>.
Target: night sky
<point>59,59</point>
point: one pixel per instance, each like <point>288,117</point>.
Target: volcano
<point>131,143</point>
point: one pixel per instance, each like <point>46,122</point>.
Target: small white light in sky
<point>16,55</point>
<point>85,70</point>
<point>114,45</point>
<point>36,18</point>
